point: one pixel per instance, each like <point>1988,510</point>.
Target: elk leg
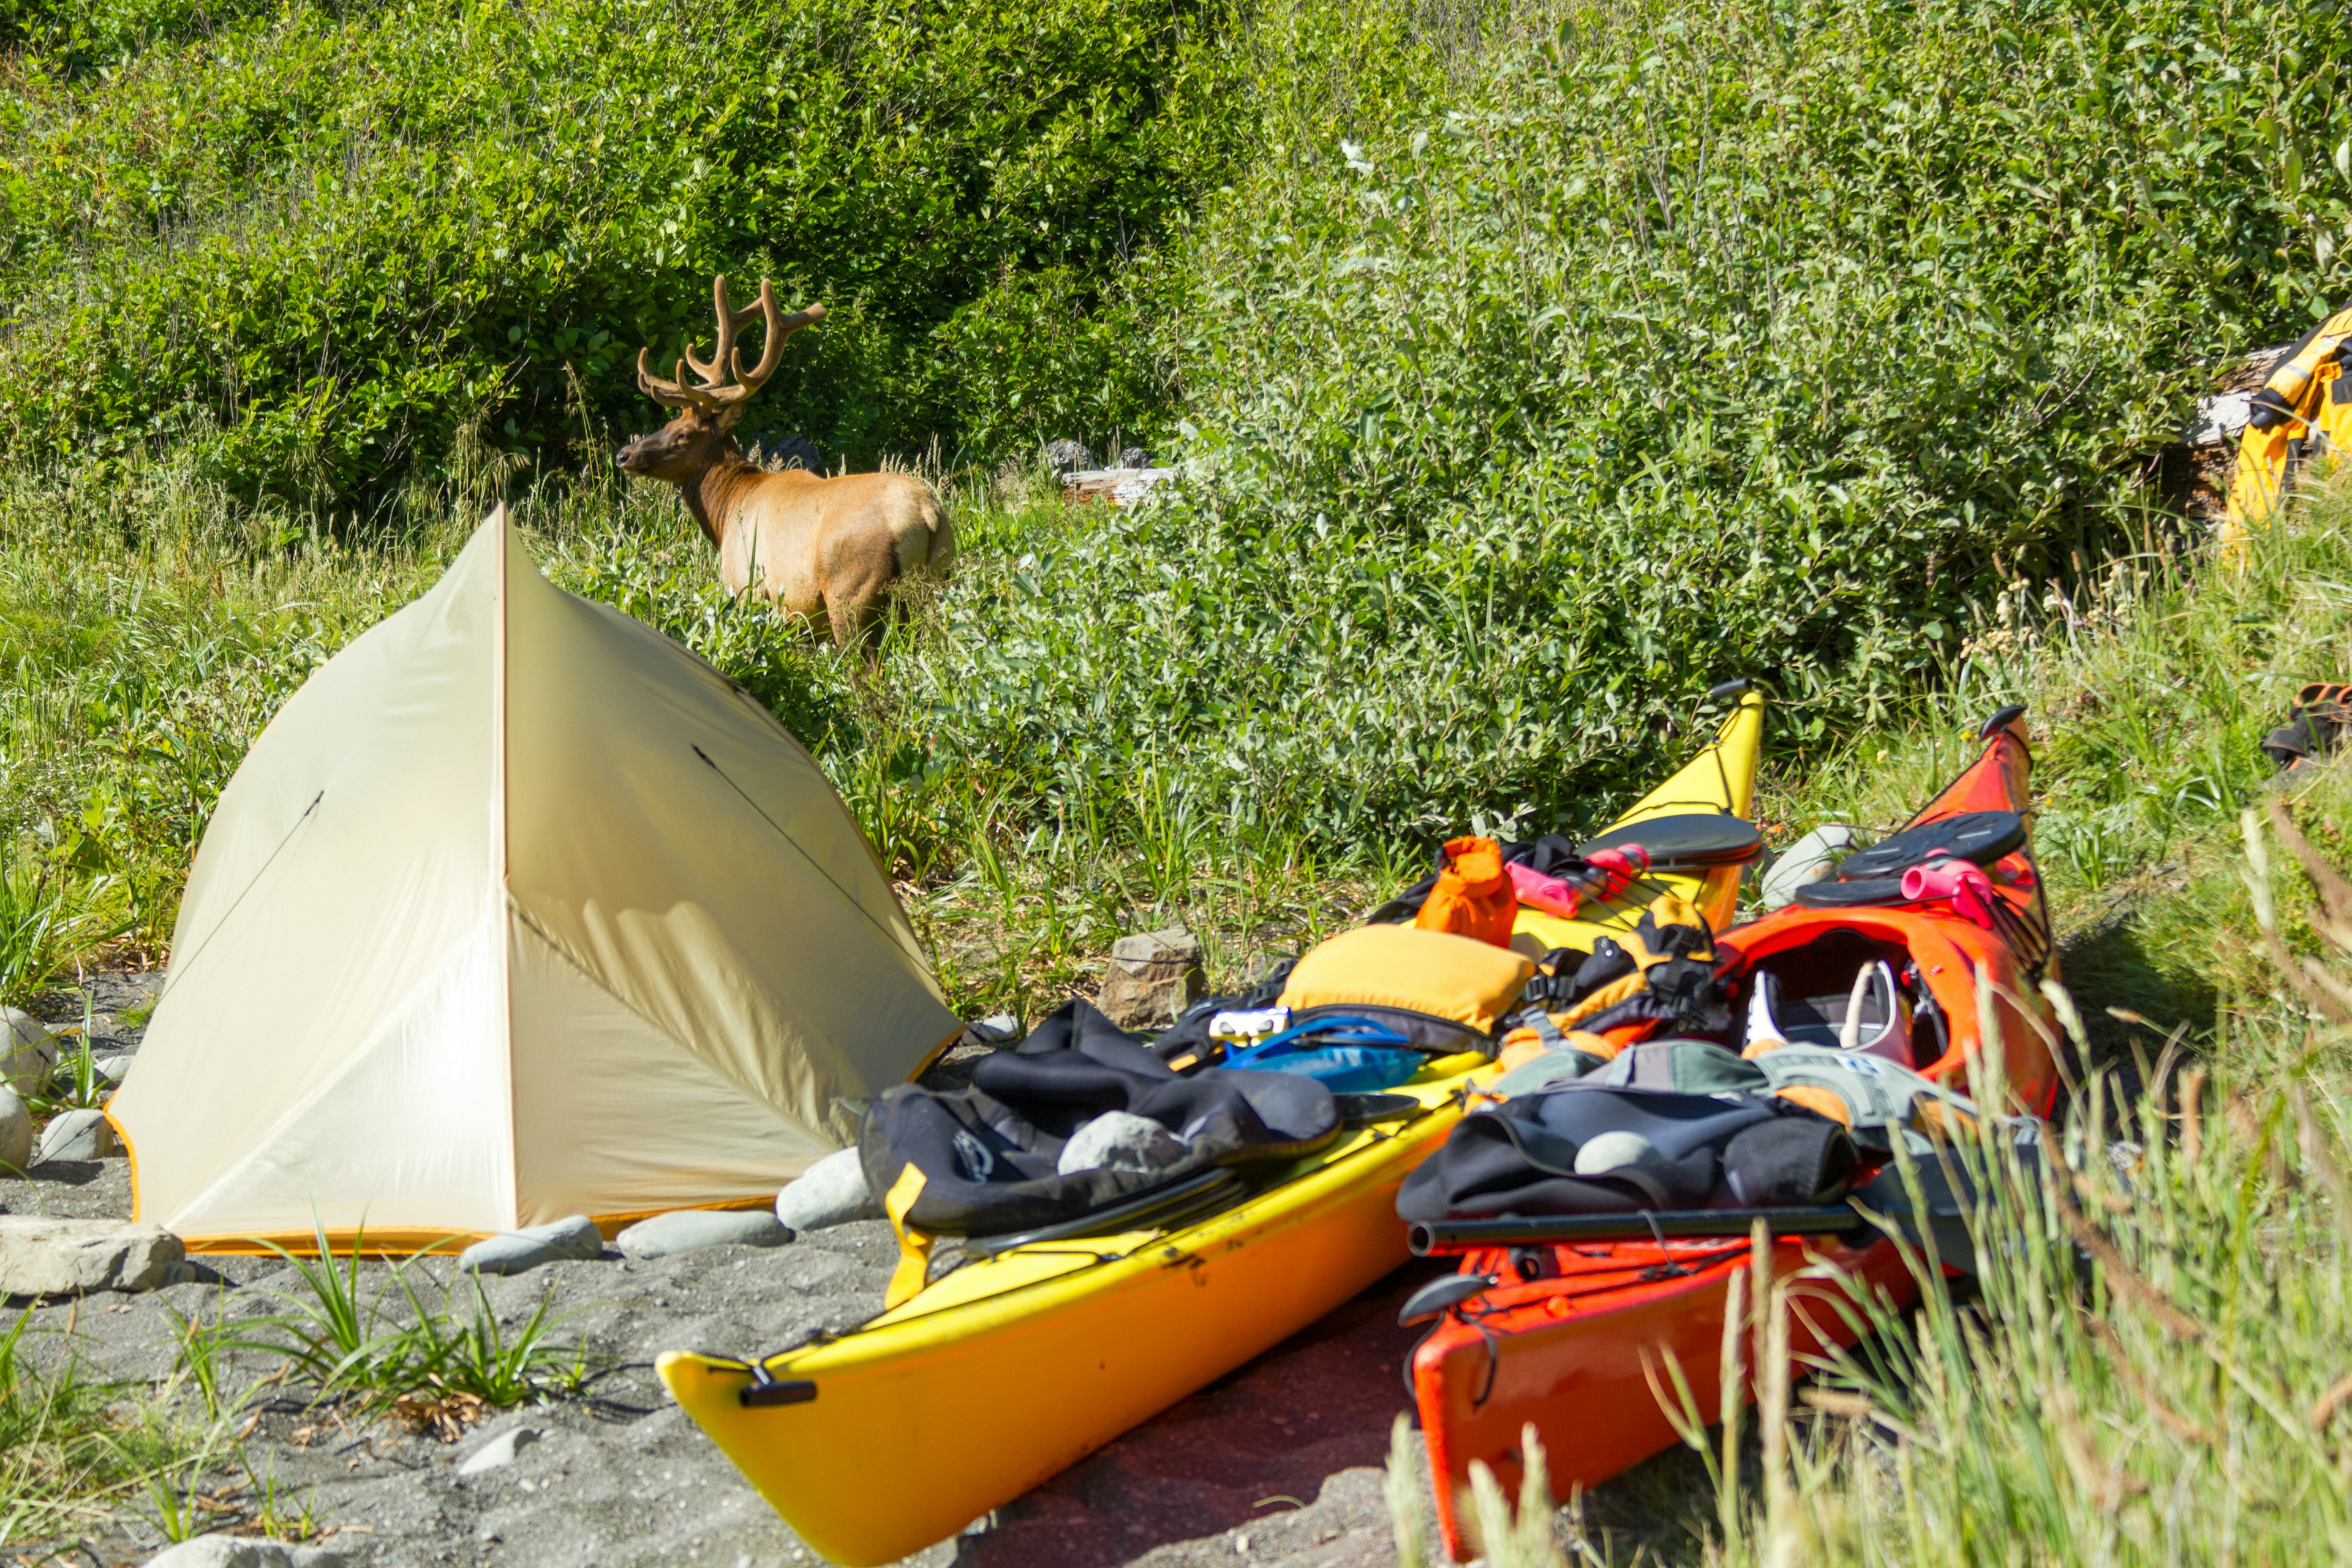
<point>852,618</point>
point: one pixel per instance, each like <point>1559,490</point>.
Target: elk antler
<point>726,356</point>
<point>673,393</point>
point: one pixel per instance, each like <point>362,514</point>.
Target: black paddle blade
<point>1844,895</point>
<point>1440,1295</point>
<point>1978,836</point>
<point>1694,838</point>
<point>1999,721</point>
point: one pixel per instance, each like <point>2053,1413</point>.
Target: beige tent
<point>516,910</point>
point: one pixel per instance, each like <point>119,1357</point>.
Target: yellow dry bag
<point>2297,425</point>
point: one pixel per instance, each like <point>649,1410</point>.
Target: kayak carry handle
<point>1428,1238</point>
<point>2000,721</point>
<point>1735,687</point>
<point>763,1390</point>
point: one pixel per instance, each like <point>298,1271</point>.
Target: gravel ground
<point>1278,1463</point>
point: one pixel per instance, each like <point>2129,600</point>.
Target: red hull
<point>1566,1352</point>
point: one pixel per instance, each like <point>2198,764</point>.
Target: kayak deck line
<point>1431,1237</point>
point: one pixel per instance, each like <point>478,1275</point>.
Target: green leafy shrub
<point>315,243</point>
<point>1772,343</point>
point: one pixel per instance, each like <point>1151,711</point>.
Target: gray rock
<point>1809,859</point>
<point>1151,978</point>
<point>1068,457</point>
<point>499,1452</point>
<point>27,1051</point>
<point>831,1191</point>
<point>115,1066</point>
<point>16,1132</point>
<point>43,1256</point>
<point>78,1135</point>
<point>575,1238</point>
<point>691,1230</point>
<point>2220,418</point>
<point>243,1551</point>
<point>1134,457</point>
<point>1120,1141</point>
<point>996,1029</point>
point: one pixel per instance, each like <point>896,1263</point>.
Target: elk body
<point>824,548</point>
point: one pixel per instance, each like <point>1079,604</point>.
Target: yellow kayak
<point>990,1380</point>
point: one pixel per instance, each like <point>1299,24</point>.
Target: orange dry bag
<point>1472,896</point>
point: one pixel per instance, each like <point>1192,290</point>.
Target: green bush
<point>317,242</point>
<point>1682,345</point>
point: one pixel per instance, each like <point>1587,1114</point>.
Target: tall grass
<point>2150,1367</point>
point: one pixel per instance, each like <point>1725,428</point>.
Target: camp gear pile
<point>1066,1334</point>
<point>1776,1075</point>
<point>1481,883</point>
<point>996,1158</point>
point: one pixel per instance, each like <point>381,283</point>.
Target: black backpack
<point>989,1154</point>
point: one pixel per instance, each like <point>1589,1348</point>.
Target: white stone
<point>499,1452</point>
<point>1138,483</point>
<point>575,1238</point>
<point>1614,1151</point>
<point>831,1191</point>
<point>243,1551</point>
<point>691,1230</point>
<point>996,1029</point>
<point>27,1051</point>
<point>1120,1141</point>
<point>115,1066</point>
<point>16,1132</point>
<point>44,1256</point>
<point>78,1135</point>
<point>1122,487</point>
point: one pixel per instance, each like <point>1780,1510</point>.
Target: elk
<point>818,547</point>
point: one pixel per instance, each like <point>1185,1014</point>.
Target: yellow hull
<point>1009,1370</point>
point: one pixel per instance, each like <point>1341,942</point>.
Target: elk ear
<point>731,416</point>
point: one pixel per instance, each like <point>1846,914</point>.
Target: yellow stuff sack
<point>1447,991</point>
<point>2299,425</point>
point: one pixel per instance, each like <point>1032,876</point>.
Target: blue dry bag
<point>1346,1055</point>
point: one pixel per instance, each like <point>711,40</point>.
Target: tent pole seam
<point>502,867</point>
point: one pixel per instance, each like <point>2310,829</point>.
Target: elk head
<point>701,435</point>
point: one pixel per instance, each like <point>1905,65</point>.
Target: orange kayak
<point>1559,1340</point>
